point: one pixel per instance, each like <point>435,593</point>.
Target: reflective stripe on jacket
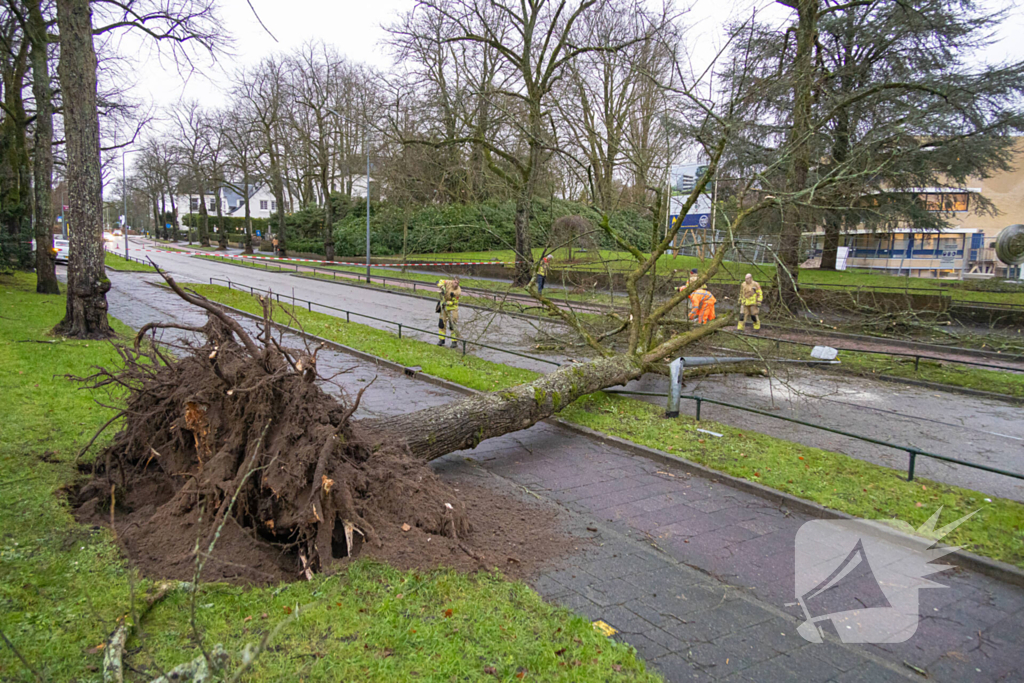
<point>702,306</point>
<point>750,295</point>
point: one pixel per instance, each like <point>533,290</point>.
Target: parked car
<point>62,248</point>
<point>118,233</point>
<point>108,236</point>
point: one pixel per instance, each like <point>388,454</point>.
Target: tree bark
<point>328,216</point>
<point>222,234</point>
<point>248,218</point>
<point>42,167</point>
<point>174,217</point>
<point>434,432</point>
<point>279,196</point>
<point>204,220</point>
<point>795,217</point>
<point>86,315</point>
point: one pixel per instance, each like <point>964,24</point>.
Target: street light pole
<point>366,144</point>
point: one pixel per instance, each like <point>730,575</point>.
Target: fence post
<point>917,360</point>
<point>698,408</point>
<point>347,318</point>
<point>399,330</point>
<point>674,385</point>
<point>910,466</point>
<point>310,305</point>
<point>463,347</point>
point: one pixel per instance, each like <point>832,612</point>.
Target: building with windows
<point>965,249</point>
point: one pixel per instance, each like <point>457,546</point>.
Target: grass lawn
<point>831,479</point>
<point>63,587</point>
<point>120,263</point>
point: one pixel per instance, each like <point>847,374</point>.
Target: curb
<point>966,560</point>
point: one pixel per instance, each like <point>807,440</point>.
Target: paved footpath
<point>694,574</point>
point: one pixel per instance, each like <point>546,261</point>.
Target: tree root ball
<point>232,449</point>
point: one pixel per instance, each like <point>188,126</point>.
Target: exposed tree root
<point>196,449</point>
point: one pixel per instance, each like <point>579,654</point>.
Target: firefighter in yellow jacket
<point>448,310</point>
<point>750,298</point>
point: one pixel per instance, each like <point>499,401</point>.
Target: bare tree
<point>533,45</point>
<point>263,91</point>
<point>241,142</point>
<point>192,147</point>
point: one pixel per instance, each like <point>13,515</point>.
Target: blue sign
<point>694,221</point>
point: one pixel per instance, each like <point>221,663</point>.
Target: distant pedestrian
<point>542,273</point>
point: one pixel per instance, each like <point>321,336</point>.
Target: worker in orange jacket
<point>702,305</point>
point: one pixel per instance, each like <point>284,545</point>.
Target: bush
<point>480,226</point>
<point>15,253</point>
<point>234,224</point>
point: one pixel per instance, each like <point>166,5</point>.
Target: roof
<point>882,231</point>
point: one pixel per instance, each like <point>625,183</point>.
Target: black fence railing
<point>911,451</point>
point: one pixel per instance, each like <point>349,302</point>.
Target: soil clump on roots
<point>234,460</point>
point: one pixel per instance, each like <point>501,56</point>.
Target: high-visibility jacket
<point>702,306</point>
<point>750,295</point>
<point>542,269</point>
<point>450,293</point>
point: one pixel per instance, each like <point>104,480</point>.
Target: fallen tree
<point>236,442</point>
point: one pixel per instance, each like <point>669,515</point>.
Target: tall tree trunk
<point>328,216</point>
<point>156,216</point>
<point>434,432</point>
<point>174,218</point>
<point>86,315</point>
<point>834,220</point>
<point>275,171</point>
<point>524,203</point>
<point>222,233</point>
<point>204,221</point>
<point>161,228</point>
<point>796,218</point>
<point>42,157</point>
<point>248,217</point>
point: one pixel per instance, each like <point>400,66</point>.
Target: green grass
<point>63,587</point>
<point>498,288</point>
<point>831,479</point>
<point>120,263</point>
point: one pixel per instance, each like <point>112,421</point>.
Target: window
<point>945,201</point>
<point>273,205</point>
<point>195,203</point>
<point>263,204</point>
<point>213,204</point>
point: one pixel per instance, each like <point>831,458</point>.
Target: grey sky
<point>355,28</point>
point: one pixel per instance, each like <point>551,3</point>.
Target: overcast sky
<point>355,28</point>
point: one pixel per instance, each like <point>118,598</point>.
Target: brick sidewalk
<point>692,573</point>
